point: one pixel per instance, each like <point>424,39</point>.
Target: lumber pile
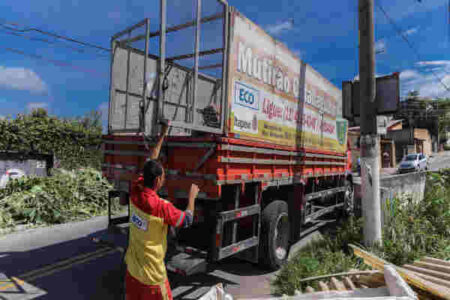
<point>429,277</point>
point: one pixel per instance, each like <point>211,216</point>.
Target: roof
<point>393,122</point>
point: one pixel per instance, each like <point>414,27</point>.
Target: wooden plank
<point>348,283</point>
<point>438,281</point>
<point>350,273</point>
<point>429,272</point>
<point>410,277</point>
<point>336,284</point>
<point>432,266</point>
<point>309,289</point>
<point>372,281</point>
<point>323,286</point>
<point>436,261</point>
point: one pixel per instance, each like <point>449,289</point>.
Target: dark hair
<point>152,170</point>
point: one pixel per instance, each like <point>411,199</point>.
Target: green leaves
<point>67,139</point>
<point>66,196</point>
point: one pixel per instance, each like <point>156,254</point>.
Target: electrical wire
<point>51,43</point>
<point>410,45</point>
<point>25,28</point>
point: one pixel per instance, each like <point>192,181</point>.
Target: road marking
<point>54,268</point>
<point>16,282</point>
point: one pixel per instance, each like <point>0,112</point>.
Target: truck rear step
<point>187,264</point>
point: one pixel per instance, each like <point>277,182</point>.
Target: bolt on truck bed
<point>263,124</point>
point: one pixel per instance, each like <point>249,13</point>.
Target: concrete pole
<point>370,141</point>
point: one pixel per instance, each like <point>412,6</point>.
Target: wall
<point>397,185</point>
<point>424,135</point>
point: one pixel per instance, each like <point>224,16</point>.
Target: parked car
<point>413,163</point>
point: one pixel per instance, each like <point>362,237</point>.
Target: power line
<point>410,45</point>
<point>52,43</point>
<point>55,35</point>
<point>53,61</point>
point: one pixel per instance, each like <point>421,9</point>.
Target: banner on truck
<point>269,101</point>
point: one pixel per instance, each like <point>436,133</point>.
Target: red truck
<point>258,130</point>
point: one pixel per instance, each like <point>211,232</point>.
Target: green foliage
<point>321,257</point>
<point>414,230</point>
<point>65,196</point>
<point>411,231</point>
<point>75,143</point>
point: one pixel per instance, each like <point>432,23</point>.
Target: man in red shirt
<point>150,216</point>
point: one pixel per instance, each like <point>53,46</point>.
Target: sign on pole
<point>387,96</point>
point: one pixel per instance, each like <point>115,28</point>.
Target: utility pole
<point>370,141</point>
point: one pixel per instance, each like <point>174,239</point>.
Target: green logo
<point>341,128</point>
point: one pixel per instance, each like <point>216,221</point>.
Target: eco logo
<point>246,96</point>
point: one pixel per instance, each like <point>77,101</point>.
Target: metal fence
<point>176,72</point>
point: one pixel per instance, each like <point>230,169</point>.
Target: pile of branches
<point>66,196</point>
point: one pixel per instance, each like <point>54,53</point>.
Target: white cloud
<point>278,28</point>
<point>434,63</point>
<point>408,74</point>
<point>411,31</point>
<point>376,75</point>
<point>21,79</point>
<point>34,105</point>
<point>430,81</point>
<point>380,46</point>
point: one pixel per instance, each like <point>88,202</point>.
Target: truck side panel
<point>274,97</point>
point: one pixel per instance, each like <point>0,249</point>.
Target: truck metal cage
<point>183,76</point>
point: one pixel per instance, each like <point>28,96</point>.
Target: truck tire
<point>349,199</point>
<point>275,235</point>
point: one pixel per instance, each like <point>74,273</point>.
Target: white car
<point>10,174</point>
<point>413,162</point>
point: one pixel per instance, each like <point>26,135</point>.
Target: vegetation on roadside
<point>65,196</point>
<point>74,142</point>
<point>411,231</point>
<point>320,257</point>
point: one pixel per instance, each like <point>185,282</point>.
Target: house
<point>387,157</point>
<point>411,140</point>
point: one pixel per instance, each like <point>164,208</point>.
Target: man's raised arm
<point>165,129</point>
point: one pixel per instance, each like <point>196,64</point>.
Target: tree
<point>444,118</point>
<point>413,94</point>
<point>39,113</point>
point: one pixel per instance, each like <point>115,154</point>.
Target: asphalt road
<point>440,161</point>
<point>62,262</point>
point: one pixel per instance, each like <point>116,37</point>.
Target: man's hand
<point>164,130</point>
<point>192,195</point>
<point>165,127</point>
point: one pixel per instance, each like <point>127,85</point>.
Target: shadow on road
<point>82,269</point>
<point>75,269</point>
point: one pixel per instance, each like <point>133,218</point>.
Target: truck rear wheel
<point>275,235</point>
<point>349,199</point>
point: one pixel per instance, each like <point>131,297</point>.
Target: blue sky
<point>323,33</point>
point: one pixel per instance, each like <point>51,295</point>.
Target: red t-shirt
<point>149,202</point>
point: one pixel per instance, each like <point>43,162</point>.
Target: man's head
<point>153,175</point>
